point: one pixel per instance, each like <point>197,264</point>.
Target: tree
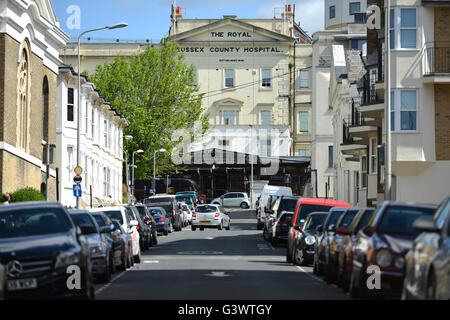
<point>156,92</point>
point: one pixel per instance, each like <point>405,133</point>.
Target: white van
<point>266,193</point>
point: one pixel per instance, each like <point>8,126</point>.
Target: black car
<point>323,241</point>
<point>281,229</point>
<point>282,204</point>
<point>41,249</point>
<point>170,205</point>
<point>335,244</point>
<point>100,249</point>
<point>306,239</point>
<point>145,232</point>
<point>118,252</point>
<point>148,219</point>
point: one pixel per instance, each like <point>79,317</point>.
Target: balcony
<point>437,62</point>
<point>351,145</point>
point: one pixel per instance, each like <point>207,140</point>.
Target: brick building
<point>30,38</point>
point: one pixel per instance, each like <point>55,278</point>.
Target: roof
<point>29,205</point>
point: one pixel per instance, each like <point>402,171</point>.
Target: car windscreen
<point>184,198</point>
<point>83,219</point>
<point>185,207</point>
<point>306,209</point>
<point>99,219</point>
<point>284,217</point>
<point>288,205</point>
<point>314,221</point>
<point>206,209</point>
<point>33,222</point>
<point>165,200</point>
<point>364,219</point>
<point>400,220</point>
<point>117,225</point>
<point>115,215</point>
<point>348,218</point>
<point>142,211</point>
<point>154,212</point>
<point>333,218</point>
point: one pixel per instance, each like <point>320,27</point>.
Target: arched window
<point>23,96</point>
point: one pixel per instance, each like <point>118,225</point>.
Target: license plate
<point>23,284</point>
<point>205,221</point>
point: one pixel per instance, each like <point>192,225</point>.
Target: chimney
<point>288,11</point>
<point>178,13</point>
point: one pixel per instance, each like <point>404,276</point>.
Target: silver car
<point>233,199</point>
<point>210,216</point>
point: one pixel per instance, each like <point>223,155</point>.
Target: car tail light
<point>194,214</point>
<point>138,227</point>
<point>147,219</point>
<point>217,214</point>
<point>280,224</point>
<point>161,219</point>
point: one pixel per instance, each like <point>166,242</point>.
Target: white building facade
<point>101,143</point>
<point>339,13</point>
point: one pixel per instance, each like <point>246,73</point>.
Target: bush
<point>27,194</point>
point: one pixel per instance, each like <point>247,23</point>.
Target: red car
<point>304,207</point>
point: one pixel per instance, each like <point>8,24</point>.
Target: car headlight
<point>384,258</point>
<point>399,262</point>
<point>96,250</point>
<point>310,240</point>
<point>65,259</point>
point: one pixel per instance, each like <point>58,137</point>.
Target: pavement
<point>217,265</point>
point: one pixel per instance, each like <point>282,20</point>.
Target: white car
<point>127,223</point>
<point>184,215</point>
<point>187,211</point>
<point>210,216</point>
<point>266,193</point>
<point>233,199</point>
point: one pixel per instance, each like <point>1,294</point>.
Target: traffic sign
<point>77,179</point>
<point>151,191</point>
<point>78,170</point>
<point>77,191</point>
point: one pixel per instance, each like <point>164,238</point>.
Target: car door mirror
<point>331,228</point>
<point>319,228</point>
<point>134,223</point>
<point>112,227</point>
<point>426,224</point>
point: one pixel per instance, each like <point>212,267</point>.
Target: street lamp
<point>132,171</point>
<point>111,27</point>
<point>127,170</point>
<point>154,167</point>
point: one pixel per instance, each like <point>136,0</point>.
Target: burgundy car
<point>382,246</point>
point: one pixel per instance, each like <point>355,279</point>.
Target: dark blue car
<point>281,229</point>
<point>163,220</point>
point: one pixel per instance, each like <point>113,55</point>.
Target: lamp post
<point>114,26</point>
<point>251,177</point>
<point>132,171</point>
<point>127,170</point>
<point>154,167</point>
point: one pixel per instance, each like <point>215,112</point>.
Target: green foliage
<point>155,92</point>
<point>26,194</point>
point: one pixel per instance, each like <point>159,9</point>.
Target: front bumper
<point>205,223</point>
<point>391,284</point>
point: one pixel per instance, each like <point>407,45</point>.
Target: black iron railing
<point>437,58</point>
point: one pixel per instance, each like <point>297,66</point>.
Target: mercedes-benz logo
<point>14,269</point>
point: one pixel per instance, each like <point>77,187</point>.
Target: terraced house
<point>420,107</point>
<point>30,38</point>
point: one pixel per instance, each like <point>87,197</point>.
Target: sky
<point>150,19</point>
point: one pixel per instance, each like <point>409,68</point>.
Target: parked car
<point>192,193</point>
<point>280,229</point>
<point>324,239</point>
<point>38,242</point>
<point>268,209</point>
<point>384,242</point>
<point>145,233</point>
<point>427,274</point>
<point>335,241</point>
<point>115,242</point>
<point>189,199</point>
<point>100,248</point>
<point>345,253</point>
<point>127,243</point>
<point>128,225</point>
<point>306,239</point>
<point>163,220</point>
<point>233,199</point>
<point>210,216</point>
<point>282,204</point>
<point>304,207</point>
<point>264,198</point>
<point>2,282</point>
<point>150,221</point>
<point>184,217</point>
<point>188,212</point>
<point>169,203</point>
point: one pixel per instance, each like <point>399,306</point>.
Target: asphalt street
<point>217,265</point>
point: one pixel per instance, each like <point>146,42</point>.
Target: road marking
<point>151,261</point>
<point>263,246</point>
<point>111,282</point>
<point>309,275</point>
<point>209,238</point>
<point>218,274</point>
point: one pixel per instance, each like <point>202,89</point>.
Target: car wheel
<point>155,239</point>
<point>193,228</point>
<point>124,264</point>
<point>352,288</point>
<point>288,256</point>
<point>362,285</point>
<point>106,276</point>
<point>137,258</point>
<point>171,228</point>
<point>228,228</point>
<point>273,242</point>
<point>220,227</point>
<point>244,205</point>
<point>345,285</point>
<point>89,290</point>
<point>202,229</point>
<point>265,235</point>
<point>431,287</point>
<point>298,257</point>
<point>259,226</point>
<point>112,264</point>
<point>327,273</point>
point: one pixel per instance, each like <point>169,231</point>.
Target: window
<point>354,7</point>
<point>70,165</point>
<point>110,136</point>
<point>105,182</point>
<point>229,117</point>
<point>403,28</point>
<point>105,133</point>
<point>303,153</point>
<point>330,157</point>
<point>266,78</point>
<point>363,174</point>
<point>93,123</point>
<point>70,104</point>
<point>404,110</point>
<point>332,12</point>
<point>373,155</point>
<point>303,122</point>
<point>304,79</point>
<point>86,119</point>
<point>266,118</point>
<point>229,78</point>
<point>265,148</point>
<point>224,143</point>
<point>23,97</point>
